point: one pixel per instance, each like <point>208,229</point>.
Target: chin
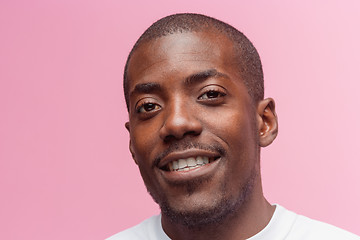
<point>200,216</point>
<point>200,213</point>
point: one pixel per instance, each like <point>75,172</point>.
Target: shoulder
<point>148,229</point>
<point>306,228</point>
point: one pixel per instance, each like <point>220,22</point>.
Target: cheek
<point>236,130</point>
<point>143,139</point>
<point>142,146</point>
<point>228,124</point>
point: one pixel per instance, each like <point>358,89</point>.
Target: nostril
<point>192,133</point>
<point>169,138</point>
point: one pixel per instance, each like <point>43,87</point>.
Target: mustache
<point>187,144</point>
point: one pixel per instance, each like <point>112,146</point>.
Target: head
<point>249,63</point>
<point>197,117</point>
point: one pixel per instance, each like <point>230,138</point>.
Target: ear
<point>267,122</point>
<point>127,126</point>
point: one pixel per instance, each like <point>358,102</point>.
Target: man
<point>197,120</point>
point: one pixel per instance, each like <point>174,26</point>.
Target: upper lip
<point>186,154</point>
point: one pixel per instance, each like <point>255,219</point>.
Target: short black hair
<point>249,62</point>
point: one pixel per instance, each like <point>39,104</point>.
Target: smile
<point>187,164</point>
<point>179,167</point>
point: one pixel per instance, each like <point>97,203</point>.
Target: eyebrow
<point>146,88</point>
<point>202,76</point>
<point>151,87</point>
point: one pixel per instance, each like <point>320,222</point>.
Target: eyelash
<point>220,94</point>
<point>140,108</point>
<point>142,105</point>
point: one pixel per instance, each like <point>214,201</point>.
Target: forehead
<point>183,53</point>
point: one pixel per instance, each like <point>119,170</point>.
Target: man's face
<point>192,124</point>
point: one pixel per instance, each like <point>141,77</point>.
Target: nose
<point>180,121</point>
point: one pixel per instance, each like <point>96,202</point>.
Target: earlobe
<point>267,122</point>
<point>127,126</point>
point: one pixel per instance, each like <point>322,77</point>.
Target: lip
<point>183,176</point>
<point>186,154</point>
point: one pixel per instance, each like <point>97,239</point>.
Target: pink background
<point>65,169</point>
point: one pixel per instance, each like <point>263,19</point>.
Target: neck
<point>245,222</point>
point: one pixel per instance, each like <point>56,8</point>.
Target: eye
<point>211,94</point>
<point>147,107</point>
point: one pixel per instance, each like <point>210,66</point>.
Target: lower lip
<point>192,174</point>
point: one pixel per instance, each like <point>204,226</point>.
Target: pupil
<point>149,107</point>
<point>212,94</point>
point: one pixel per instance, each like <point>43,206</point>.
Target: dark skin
<point>187,100</point>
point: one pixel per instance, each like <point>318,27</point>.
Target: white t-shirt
<point>284,224</point>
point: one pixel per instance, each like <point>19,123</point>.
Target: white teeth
<point>191,162</point>
<point>199,160</point>
<point>175,165</point>
<point>188,163</point>
<point>182,163</point>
